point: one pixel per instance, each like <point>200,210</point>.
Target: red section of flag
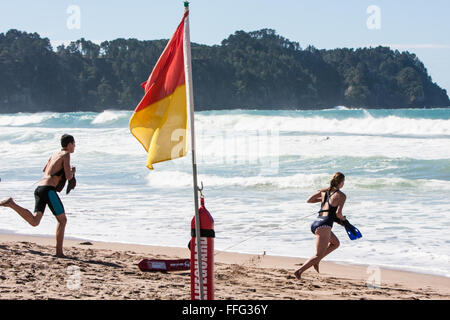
<point>168,73</point>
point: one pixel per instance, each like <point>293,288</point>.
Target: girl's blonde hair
<point>335,181</point>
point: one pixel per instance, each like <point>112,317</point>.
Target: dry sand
<point>29,270</point>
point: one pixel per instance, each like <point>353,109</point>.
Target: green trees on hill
<point>248,70</point>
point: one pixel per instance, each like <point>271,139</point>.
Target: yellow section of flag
<point>161,128</point>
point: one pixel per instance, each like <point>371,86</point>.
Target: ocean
<point>258,168</point>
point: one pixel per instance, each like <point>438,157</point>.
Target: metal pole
<point>190,102</point>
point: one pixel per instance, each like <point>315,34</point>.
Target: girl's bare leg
<point>333,245</point>
<point>323,239</point>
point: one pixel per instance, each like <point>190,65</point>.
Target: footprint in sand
<point>288,287</point>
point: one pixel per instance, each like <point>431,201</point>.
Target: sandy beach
<point>29,270</point>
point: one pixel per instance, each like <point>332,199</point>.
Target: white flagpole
<point>190,103</point>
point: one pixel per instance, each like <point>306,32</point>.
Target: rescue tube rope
<point>262,232</point>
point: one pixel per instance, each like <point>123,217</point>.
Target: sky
<point>418,26</point>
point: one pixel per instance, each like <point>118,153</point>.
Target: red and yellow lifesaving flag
<point>159,122</point>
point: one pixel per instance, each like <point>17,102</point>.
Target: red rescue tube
<point>164,265</point>
<point>207,250</point>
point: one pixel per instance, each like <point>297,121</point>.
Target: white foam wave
<point>391,125</point>
<point>110,116</point>
<point>177,179</point>
<point>345,108</point>
<point>297,122</point>
<point>24,119</point>
<point>170,179</point>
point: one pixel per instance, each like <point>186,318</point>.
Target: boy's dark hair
<point>66,139</point>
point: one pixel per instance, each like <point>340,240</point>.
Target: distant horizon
<point>342,107</point>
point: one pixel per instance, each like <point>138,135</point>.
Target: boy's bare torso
<point>57,162</point>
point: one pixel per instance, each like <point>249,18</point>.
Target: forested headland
<point>255,70</point>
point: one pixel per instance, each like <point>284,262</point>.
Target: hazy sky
<point>418,26</point>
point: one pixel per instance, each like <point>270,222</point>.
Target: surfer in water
<point>56,172</point>
<point>332,201</point>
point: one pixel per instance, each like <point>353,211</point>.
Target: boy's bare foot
<point>6,203</point>
<point>298,275</point>
<point>60,255</point>
<point>316,267</point>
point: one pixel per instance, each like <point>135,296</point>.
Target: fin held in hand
<point>71,185</point>
<point>352,231</point>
